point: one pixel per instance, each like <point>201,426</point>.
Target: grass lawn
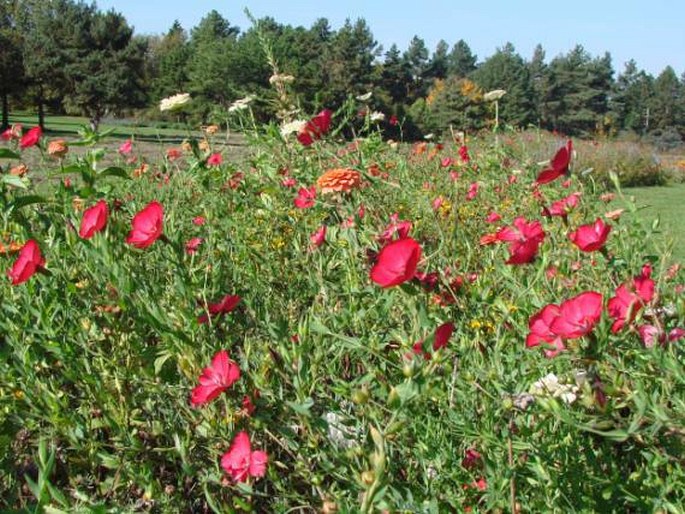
<point>668,204</point>
<point>122,129</point>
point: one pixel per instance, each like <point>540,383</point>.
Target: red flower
<point>558,166</point>
<point>493,217</point>
<point>472,458</point>
<point>289,182</point>
<point>315,128</point>
<point>94,220</point>
<point>126,147</point>
<point>442,335</point>
<point>396,263</point>
<point>562,207</point>
<point>393,120</point>
<point>240,462</point>
<point>28,262</point>
<point>473,191</point>
<point>627,302</point>
<point>318,237</point>
<point>14,132</point>
<point>305,197</point>
<point>402,229</point>
<point>193,244</point>
<point>578,315</point>
<point>574,318</point>
<point>446,162</point>
<point>215,379</point>
<point>223,306</point>
<point>540,326</point>
<point>30,138</point>
<point>173,153</point>
<point>592,237</point>
<point>524,240</point>
<point>464,153</point>
<point>215,160</point>
<point>147,226</point>
<point>199,221</point>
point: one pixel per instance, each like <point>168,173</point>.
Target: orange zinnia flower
<point>57,148</point>
<point>338,179</point>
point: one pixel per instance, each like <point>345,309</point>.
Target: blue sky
<point>652,32</point>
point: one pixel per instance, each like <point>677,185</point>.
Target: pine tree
<point>461,60</point>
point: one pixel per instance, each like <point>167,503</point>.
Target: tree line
<point>69,57</point>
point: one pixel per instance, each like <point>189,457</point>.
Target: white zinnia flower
<point>292,127</point>
<point>377,116</point>
<point>493,95</point>
<point>550,386</point>
<point>241,104</point>
<point>175,102</point>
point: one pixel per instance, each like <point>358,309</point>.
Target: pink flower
<point>446,162</point>
<point>215,160</point>
<point>215,379</point>
<point>94,220</point>
<point>473,191</point>
<point>464,153</point>
<point>193,244</point>
<point>401,228</point>
<point>472,459</point>
<point>558,166</point>
<point>305,197</point>
<point>223,306</point>
<point>396,263</point>
<point>562,207</point>
<point>318,237</point>
<point>393,120</point>
<point>28,262</point>
<point>437,203</point>
<point>315,128</point>
<point>199,221</point>
<point>241,463</point>
<point>13,132</point>
<point>289,182</point>
<point>30,138</point>
<point>126,147</point>
<point>540,331</point>
<point>442,335</point>
<point>147,225</point>
<point>493,217</point>
<point>592,237</point>
<point>524,239</point>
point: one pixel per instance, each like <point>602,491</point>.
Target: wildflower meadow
<point>333,323</point>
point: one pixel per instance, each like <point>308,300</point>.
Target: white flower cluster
<point>281,78</point>
<point>292,127</point>
<point>493,95</point>
<point>549,385</point>
<point>241,104</point>
<point>175,102</point>
<point>377,116</point>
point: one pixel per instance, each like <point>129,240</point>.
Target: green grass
<point>125,128</point>
<point>667,204</point>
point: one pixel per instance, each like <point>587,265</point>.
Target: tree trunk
<point>5,112</point>
<point>41,114</point>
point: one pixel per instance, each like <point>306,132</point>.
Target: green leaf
<point>15,181</point>
<point>6,153</point>
<point>113,171</point>
<point>25,200</point>
<point>302,408</point>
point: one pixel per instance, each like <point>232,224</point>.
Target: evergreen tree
<point>461,60</point>
<point>666,106</point>
<point>439,62</point>
<point>171,63</point>
<point>11,65</point>
<point>416,61</point>
<point>537,70</point>
<point>395,75</point>
<point>507,70</point>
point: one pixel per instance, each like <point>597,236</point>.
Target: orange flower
<point>12,247</point>
<point>19,170</point>
<point>58,148</point>
<point>338,179</point>
<point>140,170</point>
<point>211,129</point>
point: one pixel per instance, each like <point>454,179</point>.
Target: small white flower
<point>493,95</point>
<point>429,136</point>
<point>281,78</point>
<point>550,386</point>
<point>174,103</point>
<point>241,104</point>
<point>292,127</point>
<point>377,116</point>
<point>365,97</point>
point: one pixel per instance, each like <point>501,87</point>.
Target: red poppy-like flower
<point>173,153</point>
<point>562,207</point>
<point>30,138</point>
<point>493,217</point>
<point>442,335</point>
<point>14,132</point>
<point>524,239</point>
<point>193,244</point>
<point>215,160</point>
<point>215,379</point>
<point>241,463</point>
<point>464,153</point>
<point>628,301</point>
<point>318,237</point>
<point>28,262</point>
<point>289,182</point>
<point>315,128</point>
<point>305,197</point>
<point>578,315</point>
<point>401,228</point>
<point>591,237</point>
<point>574,318</point>
<point>446,162</point>
<point>147,225</point>
<point>126,147</point>
<point>540,326</point>
<point>223,306</point>
<point>558,165</point>
<point>396,263</point>
<point>94,220</point>
<point>473,191</point>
